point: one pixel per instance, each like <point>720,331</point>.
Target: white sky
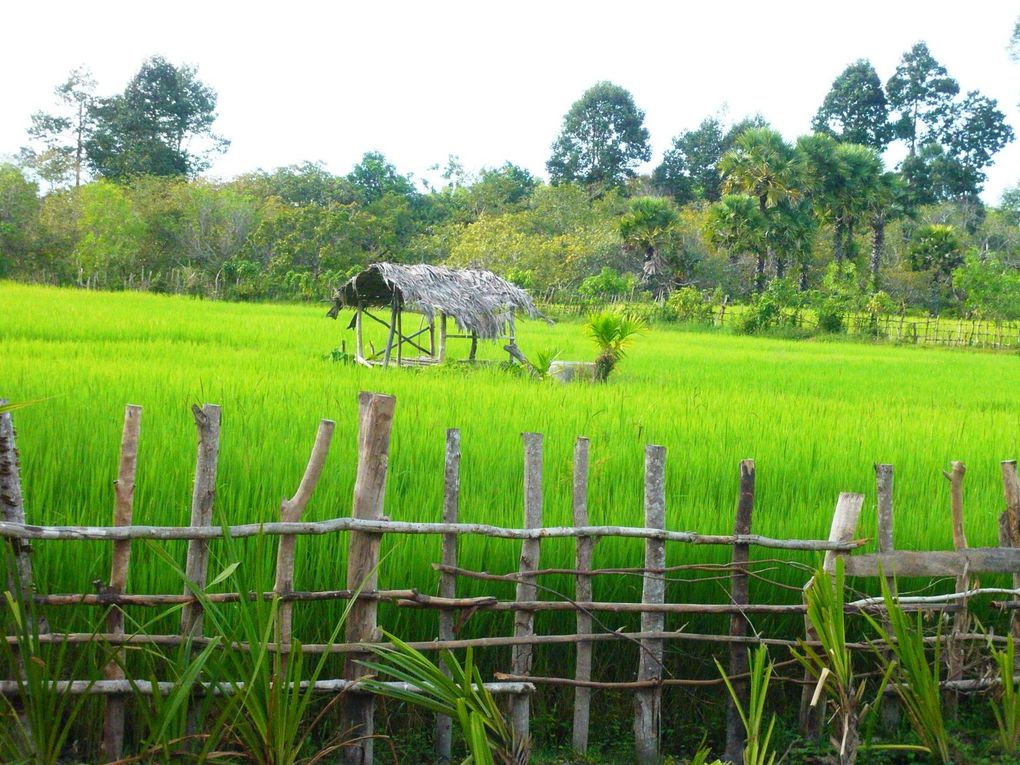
<point>490,81</point>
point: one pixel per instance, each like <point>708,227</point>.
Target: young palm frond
<point>612,332</point>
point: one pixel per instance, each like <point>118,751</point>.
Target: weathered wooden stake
<point>12,505</point>
<point>394,312</point>
<point>207,420</point>
<point>358,338</point>
<point>1009,528</point>
<point>524,621</point>
<point>739,595</point>
<point>375,422</point>
<point>291,511</point>
<point>647,702</point>
<point>583,593</point>
<point>448,580</point>
<point>844,524</point>
<point>442,337</point>
<point>890,705</point>
<point>124,491</point>
<point>961,619</point>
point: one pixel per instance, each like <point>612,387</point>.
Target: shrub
<point>606,284</point>
<point>777,306</point>
<point>690,305</point>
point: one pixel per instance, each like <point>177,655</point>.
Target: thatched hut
<point>481,304</point>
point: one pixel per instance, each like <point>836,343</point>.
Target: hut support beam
<point>394,311</point>
<point>442,337</point>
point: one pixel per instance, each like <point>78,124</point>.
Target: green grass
<point>815,415</point>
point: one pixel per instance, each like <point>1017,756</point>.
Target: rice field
<point>815,415</point>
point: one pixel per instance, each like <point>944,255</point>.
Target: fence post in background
<point>524,620</point>
<point>1009,527</point>
<point>582,594</point>
<point>290,512</point>
<point>890,706</point>
<point>447,579</point>
<point>844,524</point>
<point>375,422</point>
<point>124,491</point>
<point>739,596</point>
<point>12,506</point>
<point>961,618</point>
<point>207,420</point>
<point>647,701</point>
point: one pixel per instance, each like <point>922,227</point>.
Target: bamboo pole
<point>844,525</point>
<point>447,579</point>
<point>207,420</point>
<point>583,592</point>
<point>291,510</point>
<point>124,490</point>
<point>1009,527</point>
<point>394,311</point>
<point>647,702</point>
<point>961,618</point>
<point>889,706</point>
<point>524,621</point>
<point>375,422</point>
<point>19,530</point>
<point>739,595</point>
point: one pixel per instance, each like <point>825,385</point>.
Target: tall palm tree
<point>889,201</point>
<point>859,171</point>
<point>762,165</point>
<point>644,229</point>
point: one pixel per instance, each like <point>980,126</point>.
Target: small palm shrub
<point>612,332</point>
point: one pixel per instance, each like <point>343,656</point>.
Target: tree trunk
<point>837,241</point>
<point>759,273</point>
<point>780,266</point>
<point>803,276</point>
<point>877,240</point>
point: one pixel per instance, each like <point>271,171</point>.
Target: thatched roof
<point>479,301</point>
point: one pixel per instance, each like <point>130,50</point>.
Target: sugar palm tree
<point>859,171</point>
<point>889,201</point>
<point>762,165</point>
<point>643,229</point>
<point>612,332</point>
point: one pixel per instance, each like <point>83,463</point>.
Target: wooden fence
<point>367,524</point>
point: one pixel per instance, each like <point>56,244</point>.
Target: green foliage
<point>758,737</point>
<point>936,248</point>
<point>607,284</point>
<point>602,140</point>
<point>19,205</point>
<point>56,150</point>
<point>991,284</point>
<point>36,723</point>
<point>904,658</point>
<point>840,296</point>
<point>689,304</point>
<point>776,307</point>
<point>1006,702</point>
<point>690,167</point>
<point>612,333</point>
<point>111,234</point>
<point>855,110</point>
<point>461,696</point>
<point>149,128</point>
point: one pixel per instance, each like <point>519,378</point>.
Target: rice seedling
<point>758,741</point>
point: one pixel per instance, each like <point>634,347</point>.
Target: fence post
<point>890,705</point>
<point>739,595</point>
<point>12,505</point>
<point>524,620</point>
<point>844,524</point>
<point>961,618</point>
<point>582,594</point>
<point>375,422</point>
<point>207,420</point>
<point>124,491</point>
<point>1009,527</point>
<point>447,579</point>
<point>290,512</point>
<point>647,701</point>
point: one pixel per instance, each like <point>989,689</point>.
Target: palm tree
<point>735,224</point>
<point>889,201</point>
<point>859,171</point>
<point>643,229</point>
<point>762,165</point>
<point>612,332</point>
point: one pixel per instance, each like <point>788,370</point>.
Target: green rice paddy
<point>815,415</point>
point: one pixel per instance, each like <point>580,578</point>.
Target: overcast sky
<point>491,81</point>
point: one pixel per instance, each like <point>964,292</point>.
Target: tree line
<point>108,194</point>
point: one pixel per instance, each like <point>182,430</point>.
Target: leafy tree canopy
<point>602,140</point>
<point>374,177</point>
<point>921,92</point>
<point>855,110</point>
<point>690,168</point>
<point>149,128</point>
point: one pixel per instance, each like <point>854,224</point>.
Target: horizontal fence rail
<point>367,526</point>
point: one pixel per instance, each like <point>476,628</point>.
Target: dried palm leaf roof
<point>479,301</point>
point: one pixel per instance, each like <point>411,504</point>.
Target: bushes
<point>777,306</point>
<point>690,305</point>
